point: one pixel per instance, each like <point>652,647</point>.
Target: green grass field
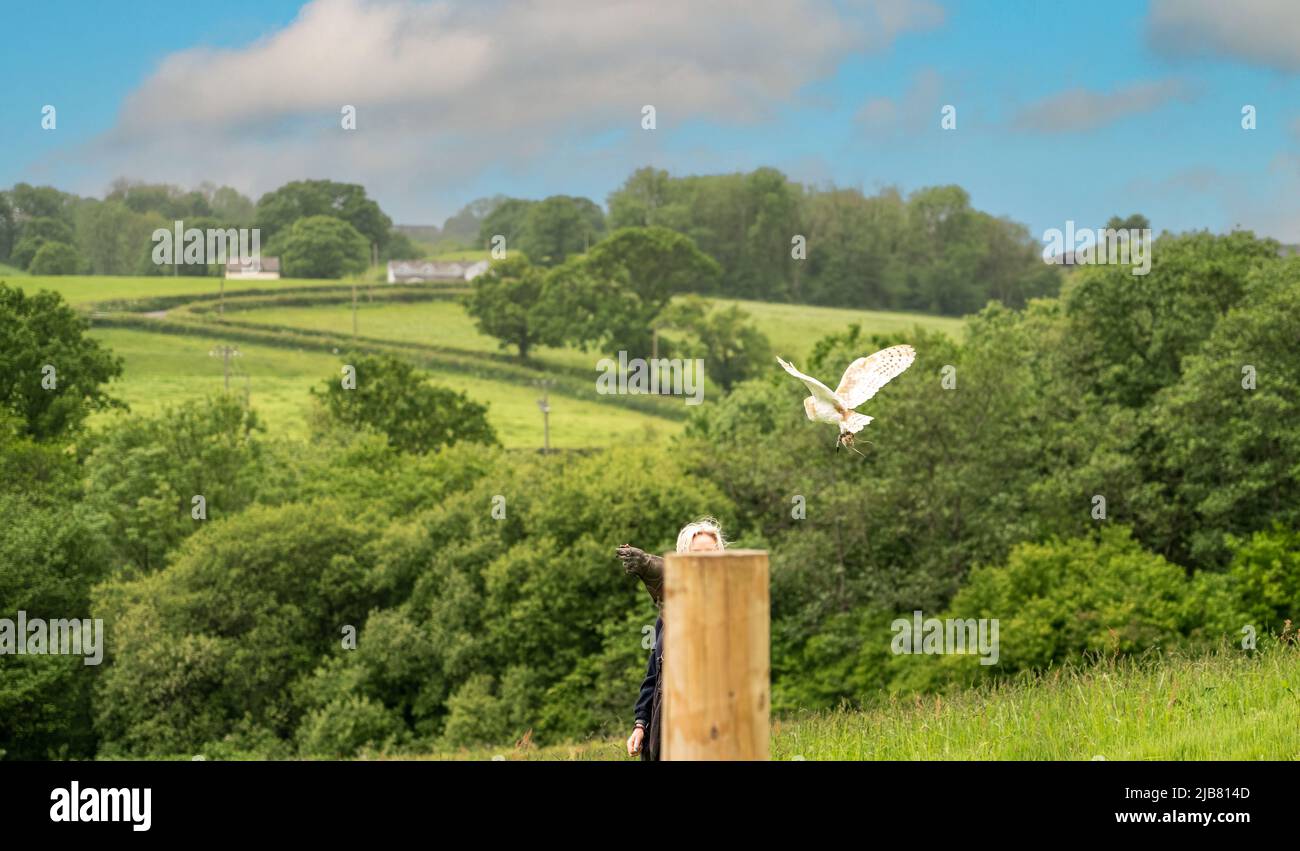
<point>792,328</point>
<point>278,370</point>
<point>163,369</point>
<point>88,289</point>
<point>1224,706</point>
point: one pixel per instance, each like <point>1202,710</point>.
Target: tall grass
<point>1225,705</point>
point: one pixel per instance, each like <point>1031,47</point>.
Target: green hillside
<point>290,333</point>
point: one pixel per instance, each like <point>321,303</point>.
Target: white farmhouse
<point>254,269</point>
<point>434,271</point>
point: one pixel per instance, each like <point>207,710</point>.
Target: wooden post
<point>717,668</point>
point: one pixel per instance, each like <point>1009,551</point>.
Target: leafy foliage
<point>505,304</point>
<point>55,258</point>
<point>143,475</point>
<point>393,399</point>
<point>731,347</point>
<point>51,373</point>
<point>323,247</point>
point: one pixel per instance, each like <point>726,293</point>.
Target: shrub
<point>55,258</point>
<point>348,725</point>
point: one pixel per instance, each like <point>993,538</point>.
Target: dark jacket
<point>648,702</point>
<point>650,570</point>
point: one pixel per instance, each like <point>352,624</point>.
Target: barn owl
<point>861,381</point>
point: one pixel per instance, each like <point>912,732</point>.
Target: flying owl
<point>861,381</point>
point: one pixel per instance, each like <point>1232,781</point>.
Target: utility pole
<point>370,290</point>
<point>545,404</point>
<point>225,353</point>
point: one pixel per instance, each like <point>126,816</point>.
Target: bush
<point>348,725</point>
<point>1059,600</point>
<point>1266,569</point>
<point>392,398</point>
<point>143,474</point>
<point>25,250</point>
<point>55,258</point>
<point>214,643</point>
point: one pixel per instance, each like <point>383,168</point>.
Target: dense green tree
<point>1133,331</point>
<point>584,308</point>
<point>209,649</point>
<point>507,219</point>
<point>653,264</point>
<point>50,556</point>
<point>1136,221</point>
<point>852,255</point>
<point>560,226</point>
<point>25,251</point>
<point>34,202</point>
<point>52,375</point>
<point>144,473</point>
<point>401,247</point>
<point>930,252</point>
<point>52,551</point>
<point>171,202</point>
<point>1266,571</point>
<point>279,210</point>
<point>464,227</point>
<point>1223,443</point>
<point>732,347</point>
<point>323,247</point>
<point>230,205</point>
<point>118,241</point>
<point>8,227</point>
<point>48,229</point>
<point>504,304</point>
<point>55,258</point>
<point>639,202</point>
<point>394,399</point>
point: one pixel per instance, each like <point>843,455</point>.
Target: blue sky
<point>1132,108</point>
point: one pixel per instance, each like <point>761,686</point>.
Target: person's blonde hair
<point>706,525</point>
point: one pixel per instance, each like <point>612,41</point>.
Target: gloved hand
<point>649,569</point>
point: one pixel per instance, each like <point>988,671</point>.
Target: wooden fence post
<point>717,667</point>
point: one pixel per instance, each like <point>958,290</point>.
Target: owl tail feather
<point>856,423</point>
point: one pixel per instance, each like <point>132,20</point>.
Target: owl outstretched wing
<point>821,406</point>
<point>865,376</point>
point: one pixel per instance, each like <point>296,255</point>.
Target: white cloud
<point>1078,110</point>
<point>447,91</point>
<point>1257,32</point>
<point>918,107</point>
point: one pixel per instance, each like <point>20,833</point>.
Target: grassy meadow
<point>277,371</point>
<point>1225,706</point>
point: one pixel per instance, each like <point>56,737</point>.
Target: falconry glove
<point>648,568</point>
